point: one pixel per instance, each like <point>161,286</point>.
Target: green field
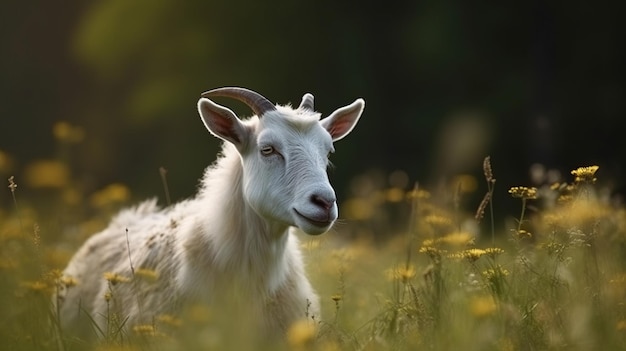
<point>405,269</point>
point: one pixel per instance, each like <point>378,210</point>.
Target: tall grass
<point>555,279</point>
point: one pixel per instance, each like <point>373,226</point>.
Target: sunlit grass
<point>406,269</point>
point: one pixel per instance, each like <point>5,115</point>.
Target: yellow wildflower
<point>495,273</point>
<point>418,194</point>
<point>147,330</point>
<point>585,174</point>
<point>115,278</point>
<point>493,251</point>
<point>169,320</point>
<point>65,132</point>
<point>482,306</point>
<point>46,174</point>
<point>394,195</point>
<point>402,273</point>
<point>36,286</point>
<point>469,254</point>
<point>523,192</point>
<point>336,297</point>
<point>301,333</point>
<point>147,274</point>
<point>114,193</point>
<point>68,282</point>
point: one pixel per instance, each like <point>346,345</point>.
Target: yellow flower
<point>457,238</point>
<point>401,273</point>
<point>301,333</point>
<point>147,274</point>
<point>482,306</point>
<point>169,320</point>
<point>495,273</point>
<point>523,192</point>
<point>585,174</point>
<point>68,282</point>
<point>493,251</point>
<point>115,278</point>
<point>36,286</point>
<point>469,254</point>
<point>46,174</point>
<point>434,253</point>
<point>114,193</point>
<point>437,220</point>
<point>418,194</point>
<point>146,330</point>
<point>65,132</point>
<point>336,297</point>
<point>394,195</point>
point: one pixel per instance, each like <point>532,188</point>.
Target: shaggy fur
<point>232,239</point>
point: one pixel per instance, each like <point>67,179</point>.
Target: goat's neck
<point>243,242</point>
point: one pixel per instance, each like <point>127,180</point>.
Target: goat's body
<point>195,251</point>
<point>231,244</point>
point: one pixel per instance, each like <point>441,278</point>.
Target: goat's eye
<point>267,150</point>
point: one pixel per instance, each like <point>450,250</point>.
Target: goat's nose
<point>323,202</point>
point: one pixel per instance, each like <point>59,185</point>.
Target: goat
<point>236,232</point>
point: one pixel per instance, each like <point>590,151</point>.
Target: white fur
<point>232,238</point>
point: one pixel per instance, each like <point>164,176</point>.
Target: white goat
<point>234,233</point>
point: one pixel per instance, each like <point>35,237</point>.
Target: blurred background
<point>95,93</point>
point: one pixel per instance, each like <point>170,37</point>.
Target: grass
<point>436,279</point>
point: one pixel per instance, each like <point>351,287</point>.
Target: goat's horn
<point>307,102</point>
<point>257,102</point>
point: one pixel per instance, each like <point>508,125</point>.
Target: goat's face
<point>285,155</point>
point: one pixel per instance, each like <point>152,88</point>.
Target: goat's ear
<point>342,121</point>
<point>222,122</point>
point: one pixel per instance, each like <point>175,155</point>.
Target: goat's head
<point>284,154</point>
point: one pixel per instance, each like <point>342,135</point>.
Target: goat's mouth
<point>315,222</point>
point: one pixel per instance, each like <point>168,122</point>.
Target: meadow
<point>406,268</point>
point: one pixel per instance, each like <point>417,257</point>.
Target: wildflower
<point>65,132</point>
<point>493,251</point>
<point>523,192</point>
<point>147,330</point>
<point>432,252</point>
<point>114,193</point>
<point>482,306</point>
<point>394,195</point>
<point>37,286</point>
<point>469,254</point>
<point>301,333</point>
<point>523,234</point>
<point>169,320</point>
<point>108,296</point>
<point>585,174</point>
<point>147,274</point>
<point>68,282</point>
<point>495,273</point>
<point>418,194</point>
<point>336,297</point>
<point>115,278</point>
<point>402,273</point>
<point>457,238</point>
<point>6,163</point>
<point>465,183</point>
<point>47,174</point>
<point>437,220</point>
<point>358,209</point>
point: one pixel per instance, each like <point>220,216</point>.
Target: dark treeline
<point>446,83</point>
